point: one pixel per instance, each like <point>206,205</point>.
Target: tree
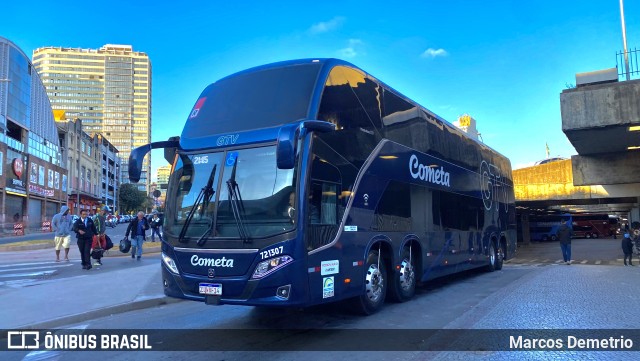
<point>130,198</point>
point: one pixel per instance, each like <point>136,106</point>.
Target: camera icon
<point>23,340</point>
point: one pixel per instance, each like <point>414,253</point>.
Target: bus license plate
<point>210,289</point>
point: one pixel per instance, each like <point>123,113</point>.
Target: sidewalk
<point>48,243</point>
<point>121,285</point>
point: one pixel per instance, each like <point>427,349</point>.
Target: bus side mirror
<point>137,156</point>
<point>135,162</point>
<point>288,139</point>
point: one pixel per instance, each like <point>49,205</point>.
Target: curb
<point>26,247</point>
<point>138,304</point>
<point>49,244</point>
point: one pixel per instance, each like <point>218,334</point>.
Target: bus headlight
<point>171,265</point>
<point>271,265</point>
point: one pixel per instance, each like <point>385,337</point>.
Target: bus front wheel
<point>375,285</point>
<point>403,286</point>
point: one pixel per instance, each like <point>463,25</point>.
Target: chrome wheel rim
<point>407,275</point>
<point>374,283</point>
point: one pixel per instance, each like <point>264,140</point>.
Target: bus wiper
<point>236,204</point>
<point>204,196</point>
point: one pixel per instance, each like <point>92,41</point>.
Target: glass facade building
<point>32,187</point>
<point>109,89</point>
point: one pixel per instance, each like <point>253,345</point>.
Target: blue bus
<point>310,181</point>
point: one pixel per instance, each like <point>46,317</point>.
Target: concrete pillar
<point>524,224</point>
<point>634,215</point>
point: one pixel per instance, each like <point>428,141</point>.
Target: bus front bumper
<point>277,289</point>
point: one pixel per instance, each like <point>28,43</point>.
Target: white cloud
<point>347,53</point>
<point>432,53</point>
<point>351,51</point>
<point>326,26</point>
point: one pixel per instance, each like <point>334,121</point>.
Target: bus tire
<point>403,285</point>
<point>594,235</point>
<point>499,256</point>
<point>491,253</point>
<point>375,286</point>
<point>588,235</point>
<point>554,238</point>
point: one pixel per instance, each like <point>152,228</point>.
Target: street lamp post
<point>624,40</point>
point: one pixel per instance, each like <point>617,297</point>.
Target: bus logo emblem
<point>211,273</point>
<point>196,108</point>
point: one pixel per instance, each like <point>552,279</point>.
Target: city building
<point>33,180</point>
<point>93,167</point>
<point>468,125</point>
<point>109,89</point>
<point>162,174</point>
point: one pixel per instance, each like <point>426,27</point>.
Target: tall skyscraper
<point>108,88</point>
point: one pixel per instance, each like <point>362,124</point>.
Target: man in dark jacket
<point>564,236</point>
<point>627,248</point>
<point>137,228</point>
<point>85,229</point>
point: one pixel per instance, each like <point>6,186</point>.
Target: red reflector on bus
<point>358,263</point>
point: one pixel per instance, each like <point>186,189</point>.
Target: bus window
<point>325,202</point>
<point>393,213</point>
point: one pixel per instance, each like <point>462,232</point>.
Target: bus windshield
<point>236,194</point>
<point>254,100</point>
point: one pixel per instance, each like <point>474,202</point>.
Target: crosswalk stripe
<point>27,264</point>
<point>32,268</point>
<point>30,274</point>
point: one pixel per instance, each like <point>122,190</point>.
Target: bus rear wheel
<point>403,286</point>
<point>493,257</point>
<point>375,285</point>
<point>499,256</point>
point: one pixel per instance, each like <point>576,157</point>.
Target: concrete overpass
<point>601,118</point>
<point>553,186</point>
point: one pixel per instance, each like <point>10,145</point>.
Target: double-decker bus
<point>544,227</point>
<point>310,181</point>
<point>594,225</point>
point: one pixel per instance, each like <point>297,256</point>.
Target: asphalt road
<point>533,291</point>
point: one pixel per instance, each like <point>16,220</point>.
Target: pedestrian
<point>155,227</point>
<point>627,249</point>
<point>137,228</point>
<point>564,236</point>
<point>100,239</point>
<point>85,229</point>
<point>62,224</point>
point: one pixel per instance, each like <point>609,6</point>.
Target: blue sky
<point>503,62</point>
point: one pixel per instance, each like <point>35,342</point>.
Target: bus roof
<point>250,106</point>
